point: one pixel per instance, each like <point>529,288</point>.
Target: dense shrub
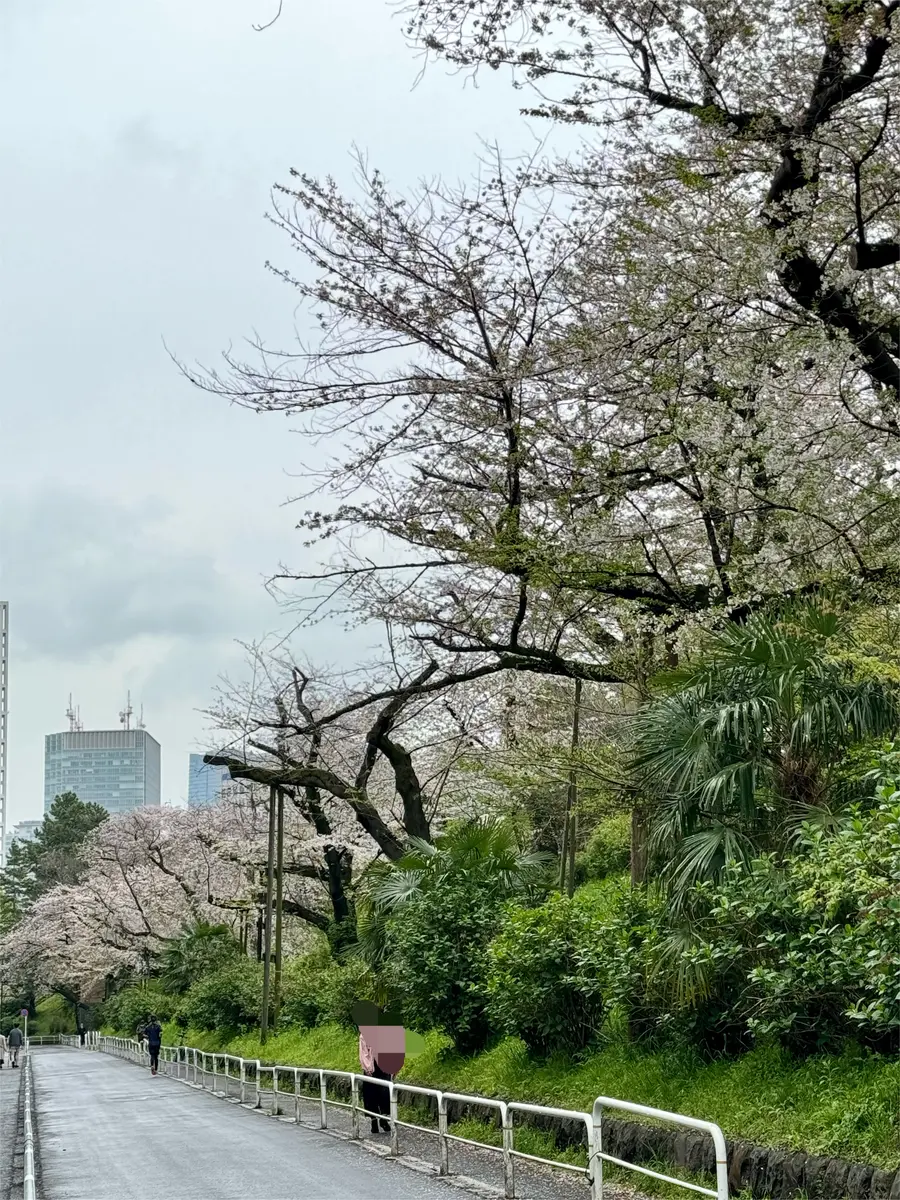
<point>537,987</point>
<point>815,942</point>
<point>608,850</point>
<point>302,988</point>
<point>437,958</point>
<point>229,998</point>
<point>131,1007</point>
<point>317,990</point>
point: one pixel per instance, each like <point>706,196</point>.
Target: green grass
<point>52,1015</point>
<point>847,1106</point>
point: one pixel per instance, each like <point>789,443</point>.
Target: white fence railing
<point>29,1182</point>
<point>241,1079</point>
<point>91,1039</point>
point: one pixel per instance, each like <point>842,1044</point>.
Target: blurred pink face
<point>388,1043</point>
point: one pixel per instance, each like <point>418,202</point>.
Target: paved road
<point>9,1104</point>
<point>109,1131</point>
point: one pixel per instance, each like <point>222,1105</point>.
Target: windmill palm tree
<point>201,947</point>
<point>485,850</point>
<point>737,753</point>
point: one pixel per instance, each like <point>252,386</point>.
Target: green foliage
<point>815,946</point>
<point>52,858</point>
<point>228,998</point>
<point>427,919</point>
<point>608,850</point>
<point>488,851</point>
<point>317,990</point>
<point>536,986</point>
<point>436,962</point>
<point>131,1007</point>
<point>53,1014</point>
<point>738,753</point>
<point>201,949</point>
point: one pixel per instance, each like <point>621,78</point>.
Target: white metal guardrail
<point>28,1189</point>
<point>227,1074</point>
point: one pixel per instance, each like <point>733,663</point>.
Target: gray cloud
<point>87,573</point>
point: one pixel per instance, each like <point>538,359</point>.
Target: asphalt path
<point>108,1130</point>
<point>9,1114</point>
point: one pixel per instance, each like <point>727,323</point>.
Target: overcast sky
<point>140,516</point>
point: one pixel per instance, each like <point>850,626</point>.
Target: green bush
<point>630,924</point>
<point>536,986</point>
<point>302,988</point>
<point>814,941</point>
<point>437,958</point>
<point>319,991</point>
<point>131,1007</point>
<point>608,851</point>
<point>227,999</point>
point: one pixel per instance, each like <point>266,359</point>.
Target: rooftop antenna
<point>79,725</point>
<point>140,723</point>
<point>72,714</point>
<point>126,714</point>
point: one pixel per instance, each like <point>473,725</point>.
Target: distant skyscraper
<point>118,768</point>
<point>205,782</point>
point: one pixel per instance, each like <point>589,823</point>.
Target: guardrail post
<point>258,1103</point>
<point>354,1106</point>
<point>595,1162</point>
<point>323,1096</point>
<point>274,1091</point>
<point>296,1096</point>
<point>509,1165</point>
<point>442,1134</point>
<point>243,1078</point>
<point>395,1132</point>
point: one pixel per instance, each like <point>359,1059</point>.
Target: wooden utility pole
<point>279,904</point>
<point>267,953</point>
<point>570,826</point>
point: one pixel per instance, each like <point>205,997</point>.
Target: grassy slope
<point>848,1107</point>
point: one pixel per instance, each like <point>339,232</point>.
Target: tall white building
<point>23,831</point>
<point>117,768</point>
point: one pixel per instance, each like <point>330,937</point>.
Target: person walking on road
<point>15,1040</point>
<point>2,1050</point>
<point>153,1034</point>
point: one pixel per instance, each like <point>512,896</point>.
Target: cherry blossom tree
<point>781,112</point>
<point>568,436</point>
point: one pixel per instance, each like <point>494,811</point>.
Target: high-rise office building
<point>118,768</point>
<point>205,782</point>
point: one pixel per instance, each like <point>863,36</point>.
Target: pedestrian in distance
<point>153,1034</point>
<point>2,1050</point>
<point>15,1041</point>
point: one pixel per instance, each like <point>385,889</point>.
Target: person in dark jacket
<point>153,1034</point>
<point>15,1041</point>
